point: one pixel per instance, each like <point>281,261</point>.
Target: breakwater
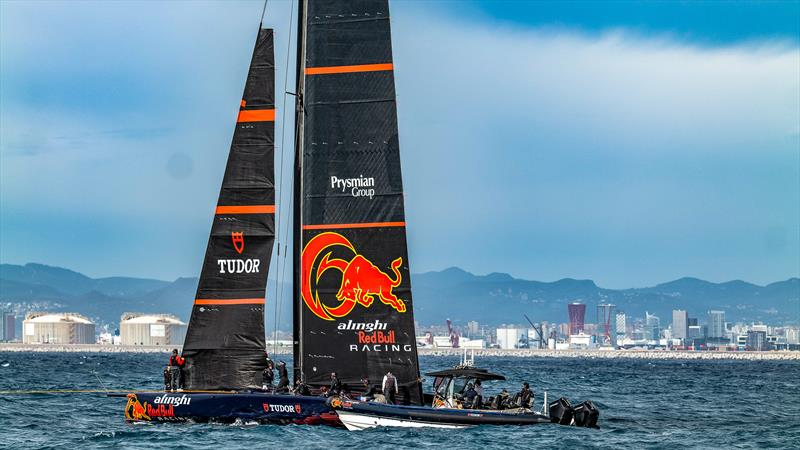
<point>519,353</point>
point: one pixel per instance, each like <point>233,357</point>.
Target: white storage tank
<point>151,329</point>
<point>57,328</point>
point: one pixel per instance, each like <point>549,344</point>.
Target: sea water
<point>643,404</point>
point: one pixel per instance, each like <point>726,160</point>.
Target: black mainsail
<point>353,308</point>
<point>224,347</point>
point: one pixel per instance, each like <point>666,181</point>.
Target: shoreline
<point>490,352</point>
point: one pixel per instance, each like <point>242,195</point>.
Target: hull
<point>227,407</point>
<point>360,415</point>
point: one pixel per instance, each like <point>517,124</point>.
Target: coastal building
<point>577,317</point>
<point>680,324</point>
<point>8,322</point>
<point>151,329</point>
<point>510,338</point>
<point>756,341</point>
<point>606,325</point>
<point>476,344</point>
<point>716,324</point>
<point>581,341</point>
<point>792,335</point>
<point>442,342</point>
<point>652,327</point>
<point>621,325</point>
<point>57,328</point>
<point>473,327</point>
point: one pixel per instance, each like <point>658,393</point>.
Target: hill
<point>492,299</point>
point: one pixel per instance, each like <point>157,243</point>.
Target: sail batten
<point>225,340</point>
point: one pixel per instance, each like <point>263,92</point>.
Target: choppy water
<point>644,404</point>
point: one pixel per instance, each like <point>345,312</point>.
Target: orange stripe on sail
<point>246,209</point>
<point>349,69</point>
<point>334,226</point>
<point>232,301</point>
<point>256,115</point>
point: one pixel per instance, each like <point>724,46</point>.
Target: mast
<point>297,304</point>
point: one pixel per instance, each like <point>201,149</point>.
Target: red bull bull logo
<point>362,281</point>
<point>134,410</point>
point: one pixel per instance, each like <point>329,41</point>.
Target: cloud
<point>544,152</point>
<point>551,153</point>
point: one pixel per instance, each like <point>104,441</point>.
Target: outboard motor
<point>561,411</point>
<point>586,415</point>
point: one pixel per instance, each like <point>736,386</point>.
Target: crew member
<point>469,396</point>
<point>269,376</point>
<point>479,397</point>
<point>389,387</point>
<point>336,386</point>
<point>267,360</point>
<point>524,396</point>
<point>369,390</point>
<point>167,379</point>
<point>176,364</point>
<point>501,401</point>
<point>301,388</point>
<point>283,378</point>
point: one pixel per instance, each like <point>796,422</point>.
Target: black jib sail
<point>224,347</point>
<point>353,309</point>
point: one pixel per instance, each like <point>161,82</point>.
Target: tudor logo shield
<point>237,237</point>
<point>297,408</point>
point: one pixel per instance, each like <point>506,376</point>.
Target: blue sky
<point>629,143</point>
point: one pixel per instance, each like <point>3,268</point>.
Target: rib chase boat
<point>352,302</point>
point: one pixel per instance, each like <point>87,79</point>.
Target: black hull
<point>224,407</point>
<point>395,415</point>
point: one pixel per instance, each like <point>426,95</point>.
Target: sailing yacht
<point>352,305</point>
<point>352,302</point>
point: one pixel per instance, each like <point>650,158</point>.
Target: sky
<point>628,143</point>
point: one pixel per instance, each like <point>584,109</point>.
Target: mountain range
<point>492,299</point>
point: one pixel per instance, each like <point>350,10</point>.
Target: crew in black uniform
<point>335,387</point>
<point>283,378</point>
<point>524,396</point>
<point>389,386</point>
<point>269,376</point>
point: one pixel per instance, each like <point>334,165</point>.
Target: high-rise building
<point>621,325</point>
<point>577,315</point>
<point>606,324</point>
<point>716,324</point>
<point>652,327</point>
<point>792,336</point>
<point>473,327</point>
<point>680,324</point>
<point>8,322</point>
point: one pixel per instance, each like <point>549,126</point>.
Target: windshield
<point>460,383</point>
